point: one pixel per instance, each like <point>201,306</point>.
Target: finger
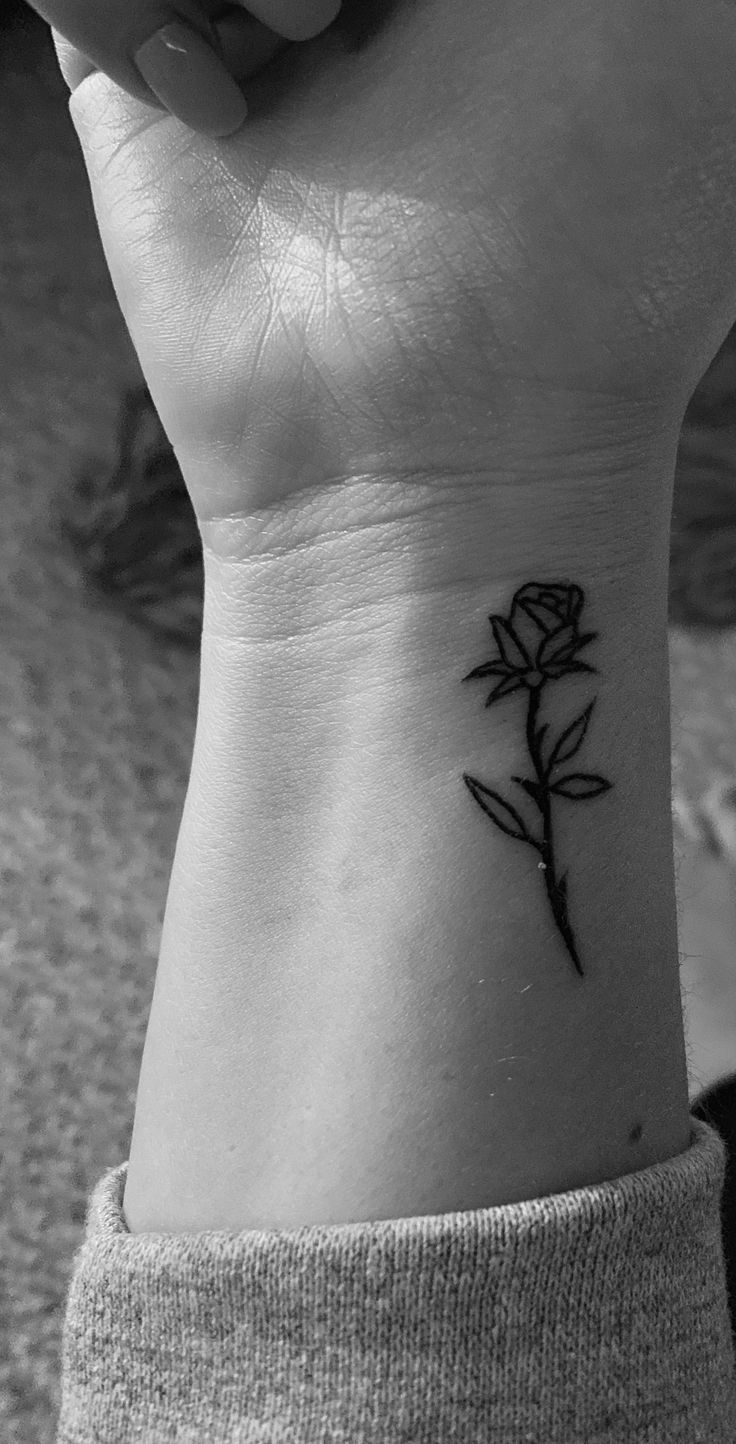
<point>245,44</point>
<point>294,19</point>
<point>110,32</point>
<point>106,35</point>
<point>184,72</point>
<point>171,70</point>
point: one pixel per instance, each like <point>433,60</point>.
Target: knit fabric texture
<point>595,1315</point>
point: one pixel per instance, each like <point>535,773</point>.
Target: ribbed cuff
<point>594,1315</point>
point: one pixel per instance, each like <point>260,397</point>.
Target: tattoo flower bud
<point>538,643</point>
<point>539,640</point>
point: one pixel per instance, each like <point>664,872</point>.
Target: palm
<point>525,202</point>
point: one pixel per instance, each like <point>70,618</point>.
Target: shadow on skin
<point>271,67</point>
<point>359,22</point>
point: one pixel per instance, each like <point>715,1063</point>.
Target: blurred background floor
<point>96,728</point>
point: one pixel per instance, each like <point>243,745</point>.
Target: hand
<point>491,232</point>
<point>181,67</point>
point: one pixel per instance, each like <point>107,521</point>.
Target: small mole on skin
<point>636,1133</point>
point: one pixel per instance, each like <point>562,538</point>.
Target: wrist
<point>291,568</point>
<point>365,997</point>
<point>492,434</point>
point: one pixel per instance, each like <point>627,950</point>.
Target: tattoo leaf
<point>502,813</point>
<point>571,740</point>
<point>578,785</point>
<point>533,788</point>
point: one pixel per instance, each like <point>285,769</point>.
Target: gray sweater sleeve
<point>587,1317</point>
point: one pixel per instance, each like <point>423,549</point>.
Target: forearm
<point>366,1006</point>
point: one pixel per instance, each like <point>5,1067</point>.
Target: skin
<point>557,226</point>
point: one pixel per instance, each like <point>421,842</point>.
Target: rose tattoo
<point>537,643</point>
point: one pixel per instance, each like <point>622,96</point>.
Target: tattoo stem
<point>556,892</point>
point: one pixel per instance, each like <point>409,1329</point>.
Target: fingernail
<point>189,79</point>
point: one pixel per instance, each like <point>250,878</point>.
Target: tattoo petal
<point>556,646</point>
<point>489,669</point>
<point>509,684</point>
<point>570,667</point>
<point>508,644</point>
